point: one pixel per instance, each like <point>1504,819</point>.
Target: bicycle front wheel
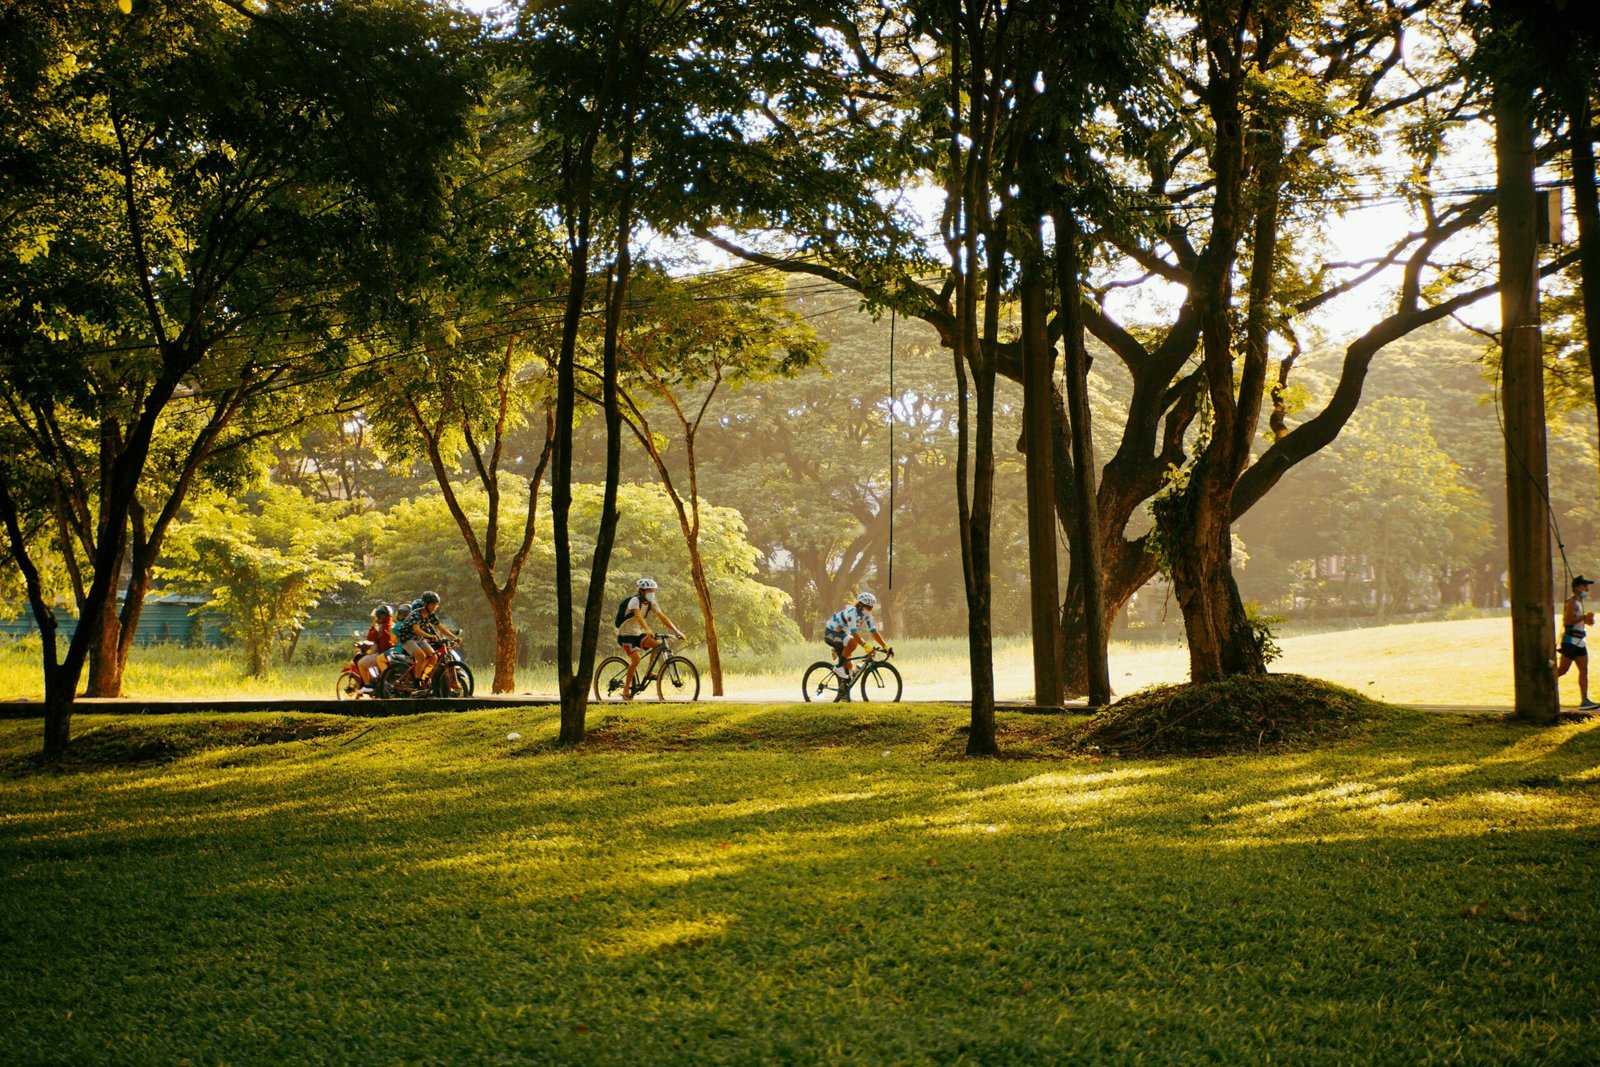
<point>880,681</point>
<point>820,684</point>
<point>680,680</point>
<point>349,686</point>
<point>611,678</point>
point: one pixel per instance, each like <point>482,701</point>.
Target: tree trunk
<point>1586,206</point>
<point>702,592</point>
<point>980,638</point>
<point>1522,365</point>
<point>1194,521</point>
<point>1086,532</point>
<point>505,643</point>
<point>105,654</point>
<point>1038,393</point>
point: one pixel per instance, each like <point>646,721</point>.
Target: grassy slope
<point>740,885</point>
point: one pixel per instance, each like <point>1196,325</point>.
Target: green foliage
<point>795,884</point>
<point>265,565</point>
<point>420,548</point>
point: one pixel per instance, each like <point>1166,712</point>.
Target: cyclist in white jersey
<point>846,631</point>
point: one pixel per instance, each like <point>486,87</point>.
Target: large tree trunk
<point>1194,521</point>
<point>1522,364</point>
<point>105,653</point>
<point>1087,536</point>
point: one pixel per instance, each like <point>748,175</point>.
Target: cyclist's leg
<point>630,648</point>
<point>849,650</point>
<point>421,652</point>
<point>836,643</point>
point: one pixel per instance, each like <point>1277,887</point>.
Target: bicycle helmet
<point>430,597</point>
<point>866,599</point>
<point>383,611</point>
<point>647,585</point>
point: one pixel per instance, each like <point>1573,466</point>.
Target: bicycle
<point>877,678</point>
<point>675,677</point>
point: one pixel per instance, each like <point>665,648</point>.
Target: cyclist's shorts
<point>834,639</point>
<point>631,640</point>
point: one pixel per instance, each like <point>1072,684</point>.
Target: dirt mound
<point>1244,714</point>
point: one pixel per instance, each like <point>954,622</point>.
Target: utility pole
<point>1522,393</point>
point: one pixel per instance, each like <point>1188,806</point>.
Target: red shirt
<point>382,639</point>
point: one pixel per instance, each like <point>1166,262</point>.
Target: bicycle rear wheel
<point>679,680</point>
<point>880,681</point>
<point>610,678</point>
<point>820,684</point>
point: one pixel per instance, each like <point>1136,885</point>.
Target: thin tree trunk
<point>1086,532</point>
<point>1038,394</point>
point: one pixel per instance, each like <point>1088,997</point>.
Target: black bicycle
<point>674,677</point>
<point>876,679</point>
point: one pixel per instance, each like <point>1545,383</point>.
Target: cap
<point>1581,580</point>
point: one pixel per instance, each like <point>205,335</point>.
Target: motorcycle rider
<point>418,632</point>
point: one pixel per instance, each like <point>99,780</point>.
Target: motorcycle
<point>451,676</point>
<point>351,684</point>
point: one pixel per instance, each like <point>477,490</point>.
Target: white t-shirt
<point>631,626</point>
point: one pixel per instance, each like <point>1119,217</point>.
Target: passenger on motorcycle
<point>381,635</point>
<point>419,630</point>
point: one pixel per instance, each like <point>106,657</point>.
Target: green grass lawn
<point>800,884</point>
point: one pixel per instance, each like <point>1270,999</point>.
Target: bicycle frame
<point>652,662</point>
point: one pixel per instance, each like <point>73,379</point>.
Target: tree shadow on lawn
<point>732,899</point>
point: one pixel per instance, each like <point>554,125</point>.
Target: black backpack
<point>622,609</point>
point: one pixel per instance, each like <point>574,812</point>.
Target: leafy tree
<point>1402,503</point>
<point>418,548</point>
<point>680,345</point>
<point>265,565</point>
<point>193,192</point>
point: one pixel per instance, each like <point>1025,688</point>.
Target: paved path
<point>373,709</point>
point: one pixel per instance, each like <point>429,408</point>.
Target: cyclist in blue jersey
<point>847,630</point>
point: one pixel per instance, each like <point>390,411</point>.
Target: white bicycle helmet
<point>647,585</point>
<point>866,599</point>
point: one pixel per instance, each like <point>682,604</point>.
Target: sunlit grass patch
<point>804,884</point>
